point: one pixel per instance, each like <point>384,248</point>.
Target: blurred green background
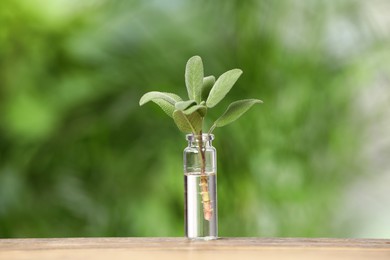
<point>79,157</point>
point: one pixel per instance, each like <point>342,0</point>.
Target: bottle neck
<point>204,140</point>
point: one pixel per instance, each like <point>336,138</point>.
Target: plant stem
<point>207,208</point>
<point>212,129</point>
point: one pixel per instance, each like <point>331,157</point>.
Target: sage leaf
<point>169,97</point>
<point>194,78</point>
<point>208,83</point>
<point>167,107</point>
<point>235,110</point>
<point>188,123</point>
<point>201,109</point>
<point>183,105</point>
<point>222,86</point>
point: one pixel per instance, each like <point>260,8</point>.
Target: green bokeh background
<point>79,157</point>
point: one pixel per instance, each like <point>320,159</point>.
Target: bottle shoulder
<point>192,149</point>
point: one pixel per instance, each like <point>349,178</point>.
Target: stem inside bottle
<point>207,207</point>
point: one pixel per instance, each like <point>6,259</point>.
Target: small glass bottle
<point>200,188</point>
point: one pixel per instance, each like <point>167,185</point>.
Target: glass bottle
<point>200,188</point>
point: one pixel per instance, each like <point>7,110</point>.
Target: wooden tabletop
<point>181,248</point>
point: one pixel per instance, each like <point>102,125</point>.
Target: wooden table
<point>181,248</point>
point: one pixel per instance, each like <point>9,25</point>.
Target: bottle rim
<point>195,138</point>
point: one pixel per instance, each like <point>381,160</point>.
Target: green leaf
<point>194,78</point>
<point>166,101</point>
<point>183,105</point>
<point>208,83</point>
<point>201,109</point>
<point>234,111</point>
<point>188,124</point>
<point>153,95</point>
<point>167,107</point>
<point>222,86</point>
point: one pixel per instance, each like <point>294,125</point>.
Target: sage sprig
<point>203,93</point>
